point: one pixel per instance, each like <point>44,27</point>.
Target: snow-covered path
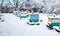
<point>13,26</point>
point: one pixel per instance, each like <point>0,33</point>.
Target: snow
<point>13,26</point>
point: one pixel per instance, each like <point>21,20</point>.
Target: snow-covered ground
<point>13,26</point>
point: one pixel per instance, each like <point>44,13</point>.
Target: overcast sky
<point>39,1</point>
<point>49,1</point>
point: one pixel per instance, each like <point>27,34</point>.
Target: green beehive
<point>23,15</point>
<point>55,23</point>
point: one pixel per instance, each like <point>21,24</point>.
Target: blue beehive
<point>34,18</point>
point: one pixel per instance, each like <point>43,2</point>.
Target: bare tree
<point>15,4</point>
<point>2,5</point>
<point>40,9</point>
<point>45,6</point>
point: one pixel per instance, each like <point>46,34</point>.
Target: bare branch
<point>11,3</point>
